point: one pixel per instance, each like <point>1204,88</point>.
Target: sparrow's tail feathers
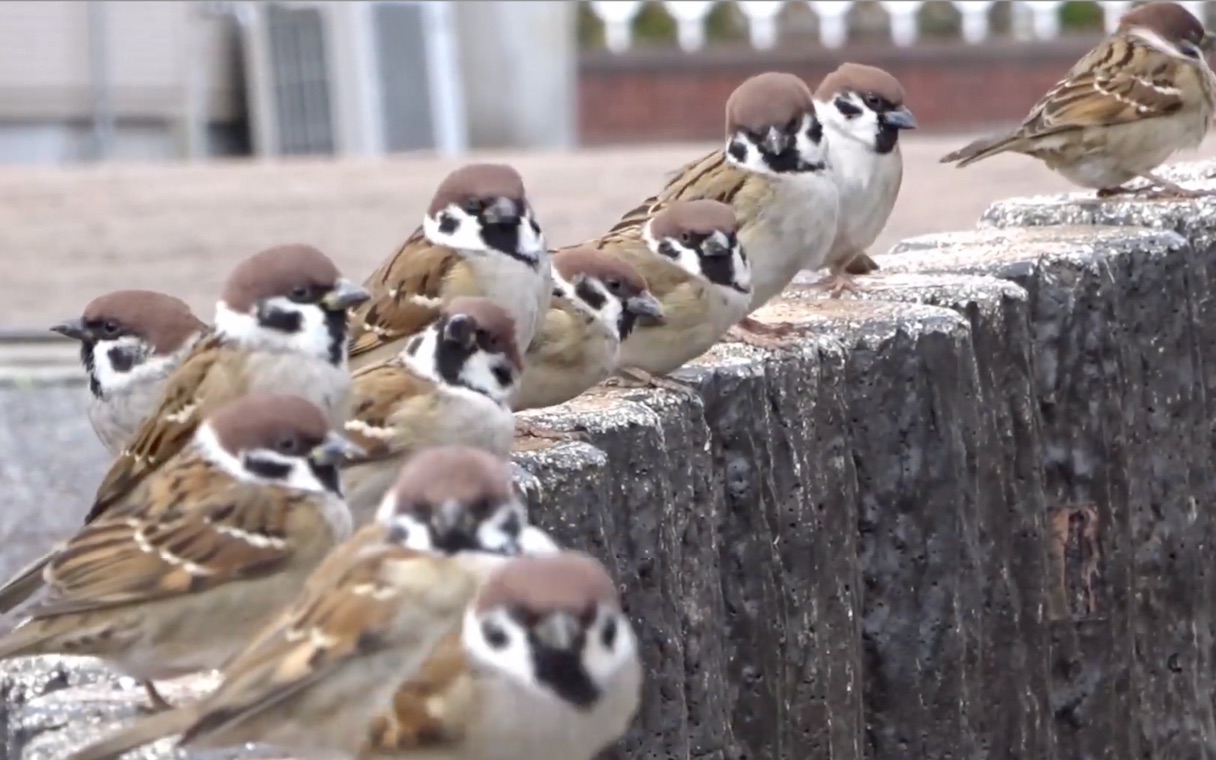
<point>980,149</point>
<point>23,585</point>
<point>143,731</point>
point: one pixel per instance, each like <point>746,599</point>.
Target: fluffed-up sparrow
<point>451,383</point>
<point>479,237</point>
<point>366,621</point>
<point>863,109</point>
<point>544,667</point>
<point>130,342</point>
<point>598,298</point>
<point>1144,93</point>
<point>175,578</point>
<point>280,327</point>
<point>774,172</point>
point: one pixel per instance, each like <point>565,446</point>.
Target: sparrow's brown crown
<point>477,181</point>
<point>279,271</point>
<point>568,582</point>
<point>492,319</point>
<point>1170,20</point>
<point>607,268</point>
<point>771,99</point>
<point>162,320</point>
<point>856,77</point>
<point>700,217</point>
<point>286,424</point>
<point>470,476</point>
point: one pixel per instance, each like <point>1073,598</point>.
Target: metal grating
<point>300,80</point>
<point>401,48</point>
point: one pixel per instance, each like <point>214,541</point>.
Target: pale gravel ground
<point>67,235</point>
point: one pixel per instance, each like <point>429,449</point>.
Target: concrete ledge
<point>968,516</point>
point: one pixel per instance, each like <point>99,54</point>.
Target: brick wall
<point>668,95</point>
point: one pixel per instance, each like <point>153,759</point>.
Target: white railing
<point>1033,19</point>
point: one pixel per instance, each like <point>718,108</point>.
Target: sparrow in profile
<point>451,383</point>
<point>130,342</point>
<point>863,109</point>
<point>544,667</point>
<point>1144,93</point>
<point>479,238</point>
<point>176,577</point>
<point>774,172</point>
<point>690,254</point>
<point>366,621</point>
<point>280,327</point>
<point>597,300</point>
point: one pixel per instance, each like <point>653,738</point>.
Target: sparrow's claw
<point>637,378</point>
<point>156,703</point>
<point>524,429</point>
<point>837,283</point>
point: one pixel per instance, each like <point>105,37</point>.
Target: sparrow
<point>598,298</point>
<point>451,383</point>
<point>366,621</point>
<point>280,326</point>
<point>690,254</point>
<point>544,667</point>
<point>774,171</point>
<point>130,342</point>
<point>863,109</point>
<point>1142,94</point>
<point>479,238</point>
<point>175,578</point>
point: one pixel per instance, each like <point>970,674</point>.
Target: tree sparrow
<point>863,109</point>
<point>544,667</point>
<point>280,327</point>
<point>689,253</point>
<point>1142,94</point>
<point>130,342</point>
<point>598,298</point>
<point>366,620</point>
<point>479,238</point>
<point>774,173</point>
<point>451,383</point>
<point>174,578</point>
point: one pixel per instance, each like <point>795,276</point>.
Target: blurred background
<point>154,143</point>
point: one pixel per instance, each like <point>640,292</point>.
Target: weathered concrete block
<point>1002,615</point>
<point>1126,450</point>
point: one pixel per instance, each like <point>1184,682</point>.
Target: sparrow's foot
<point>837,283</point>
<point>156,703</point>
<point>527,429</point>
<point>633,377</point>
<point>772,337</point>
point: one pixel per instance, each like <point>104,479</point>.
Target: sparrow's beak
<point>72,328</point>
<point>775,140</point>
<point>1208,42</point>
<point>501,211</point>
<point>645,305</point>
<point>900,118</point>
<point>335,450</point>
<point>344,295</point>
<point>557,631</point>
<point>716,244</point>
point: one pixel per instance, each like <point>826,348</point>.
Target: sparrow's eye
<point>872,100</point>
<point>686,237</point>
<point>300,293</point>
<point>472,206</point>
<point>792,126</point>
<point>110,327</point>
<point>614,285</point>
<point>288,445</point>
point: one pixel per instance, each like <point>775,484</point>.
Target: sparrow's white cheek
<point>454,228</point>
<point>534,541</point>
<point>132,367</point>
<point>531,239</point>
<point>493,642</point>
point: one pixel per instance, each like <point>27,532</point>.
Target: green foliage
<point>652,26</point>
<point>1077,15</point>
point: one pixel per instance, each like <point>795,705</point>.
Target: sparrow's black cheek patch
<point>668,250</point>
<point>593,297</point>
<point>448,224</point>
<point>815,131</point>
<point>502,375</point>
<point>278,319</point>
<point>847,109</point>
<point>738,151</point>
<point>270,469</point>
<point>121,359</point>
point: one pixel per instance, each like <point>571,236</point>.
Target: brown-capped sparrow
<point>598,298</point>
<point>690,255</point>
<point>451,383</point>
<point>175,578</point>
<point>367,619</point>
<point>1142,94</point>
<point>863,109</point>
<point>280,327</point>
<point>544,667</point>
<point>130,342</point>
<point>774,172</point>
<point>479,238</point>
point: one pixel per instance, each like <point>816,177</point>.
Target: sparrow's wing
<point>202,382</point>
<point>406,294</point>
<point>378,598</point>
<point>382,395</point>
<point>136,554</point>
<point>1117,83</point>
<point>430,709</point>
